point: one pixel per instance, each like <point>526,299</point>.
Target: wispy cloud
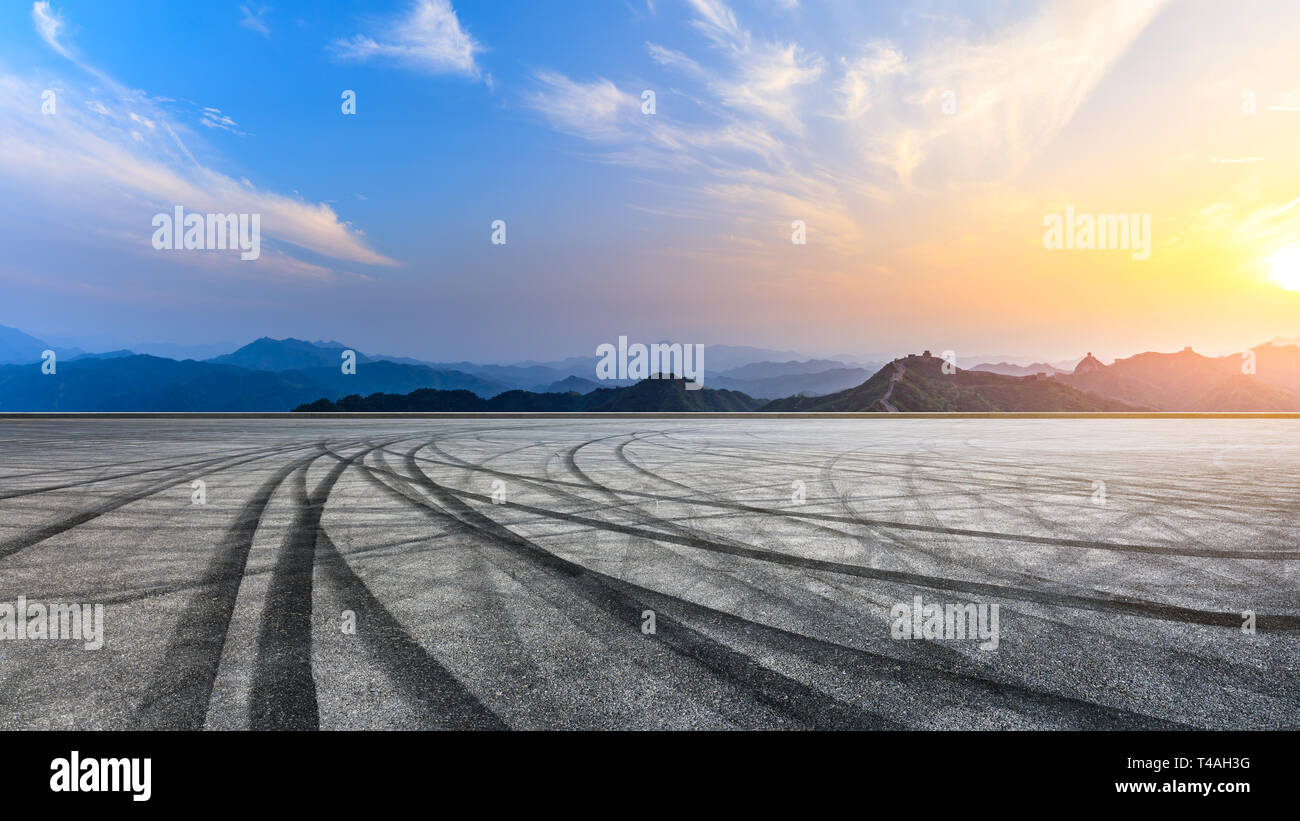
<point>674,59</point>
<point>878,63</point>
<point>882,130</point>
<point>253,20</point>
<point>119,163</point>
<point>764,76</point>
<point>213,118</point>
<point>1287,207</point>
<point>1007,95</point>
<point>428,37</point>
<point>48,25</point>
<point>595,110</point>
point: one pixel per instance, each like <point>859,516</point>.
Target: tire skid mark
<point>955,671</point>
<point>1150,513</point>
<point>40,534</point>
<point>736,575</point>
<point>1155,492</point>
<point>1169,550</point>
<point>619,599</point>
<point>757,528</point>
<point>178,697</point>
<point>171,467</point>
<point>283,694</point>
<point>788,516</point>
<point>557,592</point>
<point>746,657</point>
<point>443,702</point>
<point>854,661</point>
<point>943,658</point>
<point>1114,604</point>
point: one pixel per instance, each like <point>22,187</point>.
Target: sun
<point>1286,268</point>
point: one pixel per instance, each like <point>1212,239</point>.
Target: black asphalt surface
<point>503,573</point>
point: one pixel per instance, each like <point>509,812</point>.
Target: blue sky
<point>674,224</point>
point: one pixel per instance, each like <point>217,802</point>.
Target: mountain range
<point>304,371</point>
<point>1012,369</point>
<point>1265,378</point>
<point>280,374</point>
<point>919,383</point>
<point>660,395</point>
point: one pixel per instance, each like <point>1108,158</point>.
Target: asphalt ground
<point>652,573</point>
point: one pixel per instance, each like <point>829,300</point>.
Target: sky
<point>920,149</point>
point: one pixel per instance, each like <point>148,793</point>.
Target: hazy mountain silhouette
<point>918,383</point>
<point>806,384</point>
<point>1188,381</point>
<point>150,383</point>
<point>571,383</point>
<point>267,354</point>
<point>278,374</point>
<point>537,378</point>
<point>767,370</point>
<point>648,395</point>
<point>102,355</point>
<point>147,383</point>
<point>1011,369</point>
<point>18,348</point>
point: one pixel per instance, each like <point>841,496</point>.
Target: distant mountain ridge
<point>276,375</point>
<point>155,384</point>
<point>767,370</point>
<point>267,354</point>
<point>1188,381</point>
<point>146,383</point>
<point>572,384</point>
<point>806,384</point>
<point>648,395</point>
<point>763,378</point>
<point>18,348</point>
<point>918,383</point>
<point>1011,369</point>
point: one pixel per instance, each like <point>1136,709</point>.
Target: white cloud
<point>1287,207</point>
<point>1014,91</point>
<point>253,20</point>
<point>765,75</point>
<point>48,25</point>
<point>882,133</point>
<point>119,164</point>
<point>718,22</point>
<point>596,111</point>
<point>213,118</point>
<point>429,37</point>
<point>674,59</point>
<point>879,62</point>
